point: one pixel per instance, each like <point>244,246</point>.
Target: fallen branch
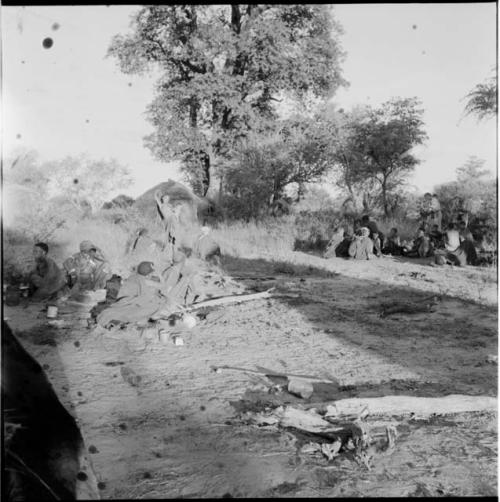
<point>224,300</point>
<point>311,378</point>
<point>405,309</point>
<point>251,278</point>
<point>420,406</point>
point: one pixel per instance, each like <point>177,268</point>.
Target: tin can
<point>163,336</point>
<point>51,311</point>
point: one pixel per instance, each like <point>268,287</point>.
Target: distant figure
<point>372,226</point>
<point>47,279</point>
<point>88,269</point>
<point>392,243</point>
<point>436,237</point>
<point>335,241</point>
<point>452,238</point>
<point>361,248</point>
<point>436,213</point>
<point>426,210</point>
<point>458,251</point>
<point>377,246</point>
<point>205,246</point>
<point>169,218</point>
<point>464,232</point>
<point>421,246</point>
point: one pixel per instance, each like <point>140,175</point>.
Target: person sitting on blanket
<point>361,248</point>
<point>139,299</point>
<point>87,270</point>
<point>47,279</point>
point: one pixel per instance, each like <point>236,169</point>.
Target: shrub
<point>314,229</point>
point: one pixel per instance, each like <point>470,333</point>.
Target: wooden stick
<point>271,374</point>
<point>224,300</point>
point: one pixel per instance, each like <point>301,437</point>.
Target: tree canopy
<point>384,137</point>
<point>223,70</point>
<point>482,100</point>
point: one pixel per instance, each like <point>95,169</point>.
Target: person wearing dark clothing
<point>47,279</point>
<point>392,243</point>
<point>377,246</point>
<point>436,237</point>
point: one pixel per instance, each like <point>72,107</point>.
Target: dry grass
<point>255,238</point>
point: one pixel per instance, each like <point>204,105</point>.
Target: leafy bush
<point>314,229</point>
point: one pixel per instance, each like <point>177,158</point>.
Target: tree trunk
<point>206,173</point>
<point>384,197</point>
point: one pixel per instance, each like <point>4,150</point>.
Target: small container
<point>51,312</point>
<point>163,336</point>
<point>24,290</point>
<point>178,340</point>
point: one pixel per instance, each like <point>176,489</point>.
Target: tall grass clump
<point>271,236</point>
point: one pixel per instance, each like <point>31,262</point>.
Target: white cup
<point>51,311</point>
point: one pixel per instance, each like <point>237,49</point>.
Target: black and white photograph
<point>249,251</point>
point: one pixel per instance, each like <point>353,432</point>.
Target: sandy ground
<point>180,433</point>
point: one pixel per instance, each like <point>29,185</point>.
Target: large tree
<point>385,137</point>
<point>223,70</point>
<point>297,153</point>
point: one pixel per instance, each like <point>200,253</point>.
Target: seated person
<point>451,238</point>
<point>421,246</point>
<point>139,298</point>
<point>392,243</point>
<point>178,279</point>
<point>88,269</point>
<point>335,241</point>
<point>458,251</point>
<point>361,247</point>
<point>436,237</point>
<point>342,250</point>
<point>372,226</point>
<point>464,232</point>
<point>377,247</point>
<point>47,279</point>
<point>205,246</point>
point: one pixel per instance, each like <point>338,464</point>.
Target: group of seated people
<point>143,290</point>
<point>84,271</point>
<point>455,246</point>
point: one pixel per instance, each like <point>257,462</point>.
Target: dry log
<point>305,421</point>
<point>419,406</point>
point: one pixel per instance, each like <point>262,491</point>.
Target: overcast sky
<point>70,99</point>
